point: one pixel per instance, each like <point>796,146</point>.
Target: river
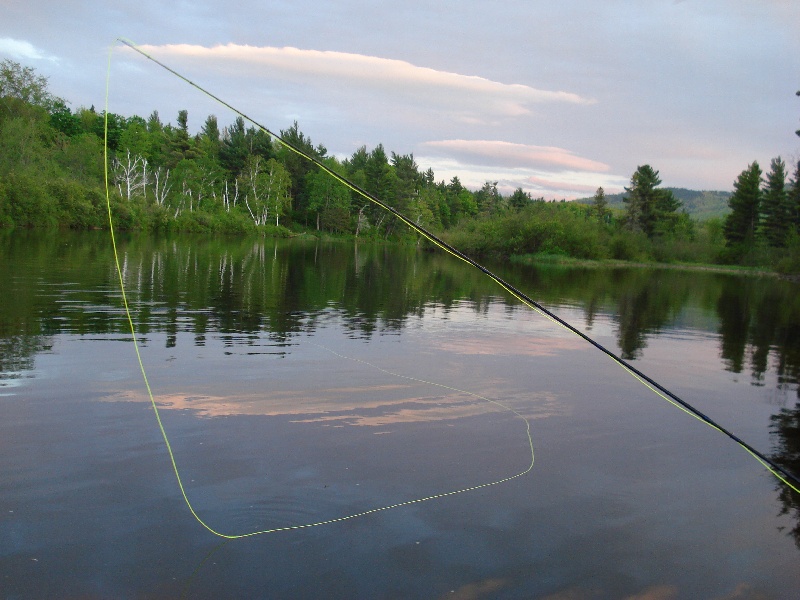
<point>386,393</point>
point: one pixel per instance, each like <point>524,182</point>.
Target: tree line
<point>765,211</point>
<point>238,178</point>
<point>231,177</point>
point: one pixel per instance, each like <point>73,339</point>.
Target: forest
<point>237,179</point>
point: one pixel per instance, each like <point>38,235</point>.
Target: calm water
<point>295,381</point>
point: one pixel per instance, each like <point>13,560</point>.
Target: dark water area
<point>301,382</point>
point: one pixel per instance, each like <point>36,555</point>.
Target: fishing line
<point>165,437</point>
<point>778,471</point>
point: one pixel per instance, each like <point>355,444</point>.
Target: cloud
<point>510,154</point>
<point>549,183</point>
<point>468,98</point>
<point>20,49</point>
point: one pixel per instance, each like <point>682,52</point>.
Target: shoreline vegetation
<point>238,180</point>
<point>567,261</point>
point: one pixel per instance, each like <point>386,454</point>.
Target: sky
<point>556,98</point>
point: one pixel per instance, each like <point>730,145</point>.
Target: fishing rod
<point>785,476</point>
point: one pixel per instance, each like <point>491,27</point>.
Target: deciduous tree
<point>24,84</point>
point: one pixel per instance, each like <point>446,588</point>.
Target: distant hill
<point>700,205</point>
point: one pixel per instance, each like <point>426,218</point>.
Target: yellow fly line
<point>163,431</point>
<point>787,478</point>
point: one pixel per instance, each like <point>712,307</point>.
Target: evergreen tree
<point>297,166</point>
<point>489,200</point>
<point>409,180</point>
<point>793,200</point>
<point>600,205</point>
<point>329,199</point>
<point>234,150</point>
<point>180,143</point>
<point>519,199</point>
<point>154,124</point>
<point>650,210</point>
<point>379,180</point>
<point>774,205</point>
<point>210,139</point>
<point>742,222</point>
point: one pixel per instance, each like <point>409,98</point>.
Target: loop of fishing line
<point>779,472</point>
<point>165,437</point>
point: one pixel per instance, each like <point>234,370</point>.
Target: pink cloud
<point>510,154</point>
<point>368,73</point>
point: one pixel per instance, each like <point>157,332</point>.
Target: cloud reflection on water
<point>373,406</point>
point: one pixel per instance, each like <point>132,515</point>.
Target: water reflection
<point>17,353</point>
<point>786,430</point>
<point>263,297</point>
<point>243,290</point>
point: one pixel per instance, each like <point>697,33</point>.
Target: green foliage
<point>489,200</point>
<point>329,200</point>
<point>600,206</point>
<point>22,83</point>
<point>788,262</point>
<point>742,223</point>
<point>77,207</point>
<point>539,228</point>
<point>650,210</point>
<point>629,245</point>
<point>297,167</point>
<point>235,179</point>
<point>25,143</point>
<point>700,205</point>
<point>5,206</point>
<point>62,119</point>
<point>81,157</point>
<point>29,204</point>
<point>519,199</point>
<point>793,199</point>
<point>775,208</point>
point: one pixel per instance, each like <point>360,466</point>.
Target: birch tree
<point>161,185</point>
<point>130,175</point>
<point>266,189</point>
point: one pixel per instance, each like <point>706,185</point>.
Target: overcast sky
<point>556,97</point>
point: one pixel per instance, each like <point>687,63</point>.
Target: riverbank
<point>567,261</point>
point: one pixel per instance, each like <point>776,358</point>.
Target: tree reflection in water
<point>238,289</point>
<point>786,432</point>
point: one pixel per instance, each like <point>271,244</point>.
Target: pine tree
<point>774,205</point>
<point>742,222</point>
<point>234,149</point>
<point>793,200</point>
<point>519,199</point>
<point>650,210</point>
<point>600,205</point>
<point>180,143</point>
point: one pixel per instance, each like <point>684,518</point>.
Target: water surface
<point>296,382</point>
